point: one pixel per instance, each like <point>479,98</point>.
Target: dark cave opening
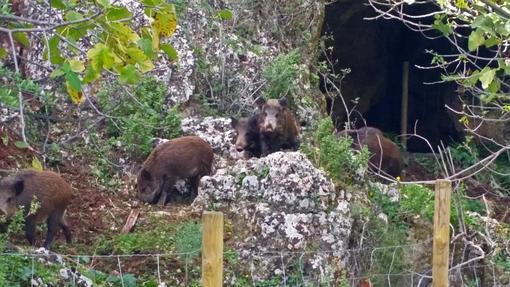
<point>374,51</point>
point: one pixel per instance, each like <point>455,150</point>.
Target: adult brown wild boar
<point>277,126</point>
<point>47,188</point>
<point>188,157</point>
<point>385,154</point>
<point>247,137</point>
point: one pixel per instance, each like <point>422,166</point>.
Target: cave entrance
<point>375,51</point>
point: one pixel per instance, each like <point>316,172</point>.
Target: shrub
<point>335,155</point>
<point>139,116</point>
<point>281,74</point>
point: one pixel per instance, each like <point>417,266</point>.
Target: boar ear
<point>283,102</point>
<point>18,186</point>
<point>145,174</point>
<point>260,101</point>
<point>233,122</point>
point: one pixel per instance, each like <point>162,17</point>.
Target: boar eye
<point>9,199</point>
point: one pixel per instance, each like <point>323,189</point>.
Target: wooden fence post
<point>212,249</point>
<point>441,244</point>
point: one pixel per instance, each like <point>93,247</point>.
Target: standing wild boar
<point>188,157</point>
<point>47,188</point>
<point>277,126</point>
<point>247,136</point>
<point>385,154</point>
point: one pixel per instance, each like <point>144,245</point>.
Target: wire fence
<point>403,265</point>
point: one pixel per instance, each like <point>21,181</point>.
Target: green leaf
<point>225,14</point>
<point>22,38</point>
<point>76,96</point>
<point>21,144</point>
<point>492,41</point>
<point>76,66</point>
<point>3,53</point>
<point>139,57</point>
<point>57,4</point>
<point>36,164</point>
<point>486,77</point>
<point>73,16</point>
<point>146,45</point>
<point>118,13</point>
<point>170,51</point>
<point>441,26</point>
<point>129,75</point>
<point>166,22</point>
<point>73,80</point>
<point>56,73</point>
<point>484,22</point>
<point>472,79</point>
<point>90,75</point>
<point>495,86</point>
<point>101,56</point>
<point>55,57</point>
<point>475,40</point>
<point>104,3</point>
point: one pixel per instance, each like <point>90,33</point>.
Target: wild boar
<point>247,136</point>
<point>277,126</point>
<point>188,157</point>
<point>47,188</point>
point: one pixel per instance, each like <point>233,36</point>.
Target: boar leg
<point>53,222</point>
<point>65,229</point>
<point>162,198</point>
<point>165,190</point>
<point>30,226</point>
<point>194,182</point>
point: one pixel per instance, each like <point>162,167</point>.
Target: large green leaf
<point>55,57</point>
<point>58,4</point>
<point>73,16</point>
<point>76,65</point>
<point>129,75</point>
<point>475,40</point>
<point>90,75</point>
<point>104,3</point>
<point>146,45</point>
<point>22,38</point>
<point>73,80</point>
<point>101,56</point>
<point>140,58</point>
<point>117,13</point>
<point>170,51</point>
<point>486,77</point>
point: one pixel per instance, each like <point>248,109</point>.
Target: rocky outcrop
<point>280,204</point>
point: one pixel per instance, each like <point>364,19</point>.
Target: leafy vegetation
<point>281,75</point>
<point>335,155</point>
<point>138,117</point>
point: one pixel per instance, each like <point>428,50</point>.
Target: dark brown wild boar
<point>385,154</point>
<point>247,136</point>
<point>277,126</point>
<point>47,188</point>
<point>188,157</point>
